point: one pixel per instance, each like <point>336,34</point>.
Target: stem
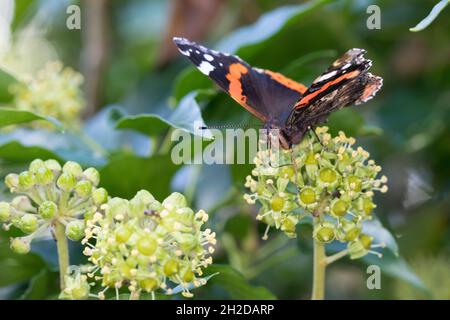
<point>318,292</point>
<point>135,295</point>
<point>63,252</point>
<point>336,256</point>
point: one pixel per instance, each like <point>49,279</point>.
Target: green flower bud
<point>20,245</point>
<point>147,245</point>
<point>22,203</point>
<point>4,212</point>
<point>28,223</point>
<point>26,180</point>
<point>66,181</point>
<point>44,176</point>
<point>324,232</point>
<point>356,250</point>
<point>117,208</point>
<point>12,181</point>
<point>368,206</point>
<point>77,287</point>
<point>92,175</point>
<point>100,196</point>
<point>354,183</point>
<point>53,165</point>
<point>83,189</point>
<point>366,241</point>
<point>188,276</point>
<point>144,196</point>
<point>277,203</point>
<point>311,159</point>
<point>36,165</point>
<point>174,201</point>
<point>287,172</point>
<point>352,234</point>
<point>307,195</point>
<point>339,207</point>
<point>75,230</point>
<point>311,165</point>
<point>170,267</point>
<point>149,284</point>
<point>81,292</point>
<point>327,175</point>
<point>48,210</point>
<point>72,168</point>
<point>288,226</point>
<point>123,233</point>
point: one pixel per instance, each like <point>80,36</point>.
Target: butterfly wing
<point>266,94</point>
<point>346,82</point>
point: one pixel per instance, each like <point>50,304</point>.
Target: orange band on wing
<point>234,75</point>
<point>306,99</point>
<point>291,84</point>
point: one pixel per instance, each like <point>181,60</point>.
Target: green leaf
<point>6,80</point>
<point>124,175</point>
<point>431,16</point>
<point>190,80</point>
<point>236,285</point>
<point>10,116</point>
<point>24,144</point>
<point>43,285</point>
<point>267,26</point>
<point>396,267</point>
<point>16,268</point>
<point>186,116</point>
<point>348,120</point>
<point>17,153</point>
<point>375,229</point>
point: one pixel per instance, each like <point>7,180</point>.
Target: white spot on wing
<point>205,67</point>
<point>326,76</point>
<point>208,57</point>
<point>185,53</point>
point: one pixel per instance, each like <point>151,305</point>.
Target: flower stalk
<point>319,268</point>
<point>63,252</point>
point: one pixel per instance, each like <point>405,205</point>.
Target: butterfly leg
<point>315,134</point>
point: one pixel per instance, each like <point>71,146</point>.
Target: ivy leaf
<point>16,268</point>
<point>27,144</point>
<point>380,234</point>
<point>236,285</point>
<point>6,80</point>
<point>42,286</point>
<point>267,26</point>
<point>396,267</point>
<point>10,116</point>
<point>124,175</point>
<point>431,16</point>
<point>187,116</point>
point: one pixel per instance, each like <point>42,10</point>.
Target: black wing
<point>347,82</point>
<point>266,94</point>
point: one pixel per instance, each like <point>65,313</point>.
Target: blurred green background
<point>130,65</point>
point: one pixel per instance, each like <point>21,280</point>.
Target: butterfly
<point>282,103</point>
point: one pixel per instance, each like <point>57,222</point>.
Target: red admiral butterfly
<point>283,103</point>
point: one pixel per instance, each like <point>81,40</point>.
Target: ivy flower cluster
<point>50,195</point>
<point>55,91</point>
<point>323,177</point>
<point>144,246</point>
